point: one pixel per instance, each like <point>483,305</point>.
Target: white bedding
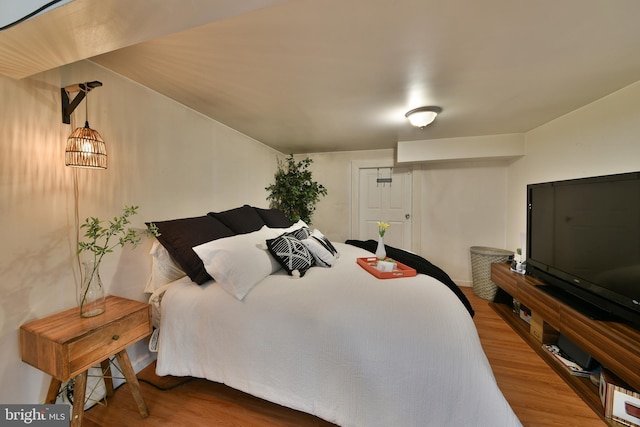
<point>340,344</point>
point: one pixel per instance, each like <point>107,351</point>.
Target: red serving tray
<point>401,270</point>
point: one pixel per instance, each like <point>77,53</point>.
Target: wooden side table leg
<point>108,378</point>
<point>54,389</point>
<point>79,391</point>
<point>134,385</point>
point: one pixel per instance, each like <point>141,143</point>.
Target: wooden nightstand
<point>66,345</point>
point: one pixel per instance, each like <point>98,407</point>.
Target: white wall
<point>463,205</point>
<point>164,157</point>
<point>598,139</point>
<point>456,205</point>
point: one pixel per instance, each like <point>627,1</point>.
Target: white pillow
<point>239,262</point>
<point>321,248</point>
<point>298,225</point>
<point>163,268</point>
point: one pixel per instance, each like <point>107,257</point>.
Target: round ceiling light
<point>423,116</point>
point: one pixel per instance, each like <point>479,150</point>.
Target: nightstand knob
<point>115,337</point>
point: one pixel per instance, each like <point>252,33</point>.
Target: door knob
<point>407,216</point>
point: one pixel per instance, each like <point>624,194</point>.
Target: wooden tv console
<point>615,345</point>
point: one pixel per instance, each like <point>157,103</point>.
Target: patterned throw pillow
<point>321,248</point>
<point>300,234</point>
<point>291,254</point>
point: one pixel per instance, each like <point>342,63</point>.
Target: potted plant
<point>101,240</point>
<point>294,192</point>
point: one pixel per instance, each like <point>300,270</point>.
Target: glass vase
<point>381,253</point>
<point>91,293</point>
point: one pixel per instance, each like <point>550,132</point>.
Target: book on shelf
<point>567,362</point>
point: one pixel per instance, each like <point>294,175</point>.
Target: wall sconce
<point>423,116</point>
<point>85,146</point>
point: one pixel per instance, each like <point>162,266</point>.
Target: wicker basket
<point>481,260</point>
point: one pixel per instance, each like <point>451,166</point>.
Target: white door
<point>385,195</point>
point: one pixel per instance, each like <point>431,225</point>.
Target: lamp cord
<point>76,197</point>
<point>76,194</point>
<point>76,219</point>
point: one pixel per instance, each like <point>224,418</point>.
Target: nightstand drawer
<point>107,341</point>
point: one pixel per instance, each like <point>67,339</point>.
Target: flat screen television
<point>583,239</point>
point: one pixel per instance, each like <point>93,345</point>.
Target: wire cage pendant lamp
<point>85,147</point>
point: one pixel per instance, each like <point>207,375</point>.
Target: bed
<point>329,339</point>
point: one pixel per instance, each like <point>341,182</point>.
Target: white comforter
<point>340,344</point>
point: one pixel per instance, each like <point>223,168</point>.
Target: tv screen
<point>583,236</point>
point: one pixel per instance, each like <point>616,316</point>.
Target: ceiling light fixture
<point>423,116</point>
<point>85,146</point>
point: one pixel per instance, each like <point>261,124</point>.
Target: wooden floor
<point>537,395</point>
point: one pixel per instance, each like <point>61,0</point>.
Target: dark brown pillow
<point>179,236</point>
<point>241,220</point>
<point>274,218</point>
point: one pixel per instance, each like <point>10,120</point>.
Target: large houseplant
<point>294,191</point>
<point>101,240</point>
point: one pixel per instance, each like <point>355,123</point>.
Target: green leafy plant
<point>101,239</point>
<point>294,192</point>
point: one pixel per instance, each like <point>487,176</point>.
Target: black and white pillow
<point>300,234</point>
<point>291,253</point>
<point>323,251</point>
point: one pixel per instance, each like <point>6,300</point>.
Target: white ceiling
<point>329,75</point>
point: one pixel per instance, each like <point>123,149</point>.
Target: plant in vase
<point>101,240</point>
<point>381,253</point>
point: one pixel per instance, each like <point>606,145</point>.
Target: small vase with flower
<point>381,253</point>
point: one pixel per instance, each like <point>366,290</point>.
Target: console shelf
<point>615,345</point>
